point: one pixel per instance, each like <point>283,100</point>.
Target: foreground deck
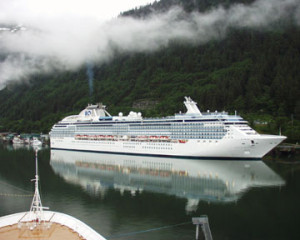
<point>54,225</point>
<point>54,232</point>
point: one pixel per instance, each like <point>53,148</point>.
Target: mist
<point>66,41</point>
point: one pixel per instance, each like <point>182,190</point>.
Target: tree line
<point>250,71</point>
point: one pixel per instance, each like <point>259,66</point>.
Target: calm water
<point>124,194</point>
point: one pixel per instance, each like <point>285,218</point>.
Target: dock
<point>286,149</point>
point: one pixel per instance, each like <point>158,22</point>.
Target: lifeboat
<point>164,138</point>
<point>77,136</point>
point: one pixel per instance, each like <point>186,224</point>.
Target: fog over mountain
<point>65,40</point>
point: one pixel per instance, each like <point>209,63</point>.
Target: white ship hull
<point>192,134</point>
<point>225,148</point>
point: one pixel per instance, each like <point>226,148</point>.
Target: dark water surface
<point>117,194</point>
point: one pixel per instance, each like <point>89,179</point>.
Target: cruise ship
<point>210,135</point>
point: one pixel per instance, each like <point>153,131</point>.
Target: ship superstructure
<point>191,134</point>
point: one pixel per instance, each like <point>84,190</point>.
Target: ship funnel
<point>191,106</point>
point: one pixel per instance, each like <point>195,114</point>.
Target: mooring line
<point>15,195</point>
<point>148,230</point>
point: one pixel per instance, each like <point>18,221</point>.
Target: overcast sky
<point>67,34</point>
<point>23,10</point>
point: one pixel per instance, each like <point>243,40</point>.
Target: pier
<point>287,149</point>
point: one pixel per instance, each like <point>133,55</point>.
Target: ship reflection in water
<point>195,180</point>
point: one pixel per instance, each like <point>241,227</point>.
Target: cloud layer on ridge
<point>67,40</point>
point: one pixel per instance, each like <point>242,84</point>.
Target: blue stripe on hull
<point>162,155</point>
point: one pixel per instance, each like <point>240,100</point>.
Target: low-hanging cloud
<point>69,41</point>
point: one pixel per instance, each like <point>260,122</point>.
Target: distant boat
<point>36,142</point>
<point>211,135</point>
<point>18,140</point>
<point>38,223</point>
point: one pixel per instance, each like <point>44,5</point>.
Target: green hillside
<point>252,71</point>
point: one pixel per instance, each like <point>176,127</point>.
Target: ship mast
<point>36,209</point>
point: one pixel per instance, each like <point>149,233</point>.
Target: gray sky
<point>66,34</point>
<point>24,10</point>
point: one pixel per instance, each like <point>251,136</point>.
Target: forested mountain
<point>253,71</point>
<point>188,5</point>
